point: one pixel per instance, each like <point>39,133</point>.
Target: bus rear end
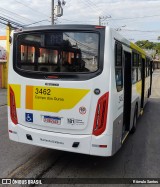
<point>56,98</point>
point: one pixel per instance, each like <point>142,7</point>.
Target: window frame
<point>119,67</point>
<point>63,75</point>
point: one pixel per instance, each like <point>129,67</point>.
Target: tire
<point>132,131</point>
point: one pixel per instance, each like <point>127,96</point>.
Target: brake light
<point>13,112</point>
<point>52,77</point>
<point>101,115</point>
<point>100,27</point>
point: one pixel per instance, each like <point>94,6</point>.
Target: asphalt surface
<point>138,157</point>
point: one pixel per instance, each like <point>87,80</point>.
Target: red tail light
<point>100,27</point>
<point>13,111</point>
<point>101,115</point>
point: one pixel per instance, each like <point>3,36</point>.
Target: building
<point>156,61</point>
<point>156,57</point>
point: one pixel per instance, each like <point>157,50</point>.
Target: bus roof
<point>66,26</point>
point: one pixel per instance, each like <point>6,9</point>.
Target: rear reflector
<point>101,115</point>
<point>99,146</point>
<point>13,132</point>
<point>13,112</point>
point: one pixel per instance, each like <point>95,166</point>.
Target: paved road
<point>139,156</point>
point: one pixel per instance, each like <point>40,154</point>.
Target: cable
<point>36,22</point>
<point>3,23</point>
<point>135,17</point>
<point>2,26</point>
<point>35,11</point>
<point>11,18</point>
<point>140,30</point>
<point>87,3</point>
<point>106,14</point>
<point>15,14</point>
<point>10,21</point>
<point>76,20</point>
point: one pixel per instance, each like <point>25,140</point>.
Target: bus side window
<point>118,67</point>
<point>146,67</point>
<point>135,63</point>
<point>149,67</point>
<point>140,68</point>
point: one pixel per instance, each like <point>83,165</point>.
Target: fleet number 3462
<point>43,91</point>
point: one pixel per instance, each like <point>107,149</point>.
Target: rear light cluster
<point>100,27</point>
<point>13,112</point>
<point>101,115</point>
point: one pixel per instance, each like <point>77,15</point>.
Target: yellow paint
<point>125,137</point>
<point>17,93</point>
<point>29,97</point>
<point>5,66</point>
<point>56,100</point>
<point>2,77</point>
<point>133,46</point>
<point>5,75</point>
<point>139,87</point>
<point>143,56</point>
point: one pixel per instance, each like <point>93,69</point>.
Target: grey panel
<point>133,104</point>
<point>117,133</point>
<point>118,125</point>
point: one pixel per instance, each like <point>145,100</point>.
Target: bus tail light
<point>101,115</point>
<point>13,111</point>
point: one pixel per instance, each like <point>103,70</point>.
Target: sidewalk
<point>156,84</point>
<point>3,97</point>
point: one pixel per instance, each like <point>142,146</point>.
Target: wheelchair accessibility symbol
<point>29,117</point>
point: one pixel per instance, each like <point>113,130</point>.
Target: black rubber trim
<point>61,76</point>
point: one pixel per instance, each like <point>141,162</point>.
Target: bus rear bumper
<point>85,144</point>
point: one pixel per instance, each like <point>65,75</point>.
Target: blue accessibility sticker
<point>29,117</point>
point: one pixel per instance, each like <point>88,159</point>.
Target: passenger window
<point>146,67</point>
<point>118,55</point>
<point>134,75</point>
<point>140,68</point>
<point>135,67</point>
<point>119,79</point>
<point>139,74</point>
<point>118,67</point>
<point>149,68</point>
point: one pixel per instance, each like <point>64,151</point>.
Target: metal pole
<point>52,13</point>
<point>99,20</point>
<point>5,67</point>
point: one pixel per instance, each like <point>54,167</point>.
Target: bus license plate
<point>51,120</point>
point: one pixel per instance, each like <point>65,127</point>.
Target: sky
<point>134,19</point>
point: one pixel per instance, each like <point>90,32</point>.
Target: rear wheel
<point>134,121</point>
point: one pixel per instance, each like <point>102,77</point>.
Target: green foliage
<point>145,44</point>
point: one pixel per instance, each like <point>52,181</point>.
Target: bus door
<point>143,82</point>
<point>127,92</point>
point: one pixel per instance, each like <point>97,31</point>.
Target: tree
<point>145,44</point>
